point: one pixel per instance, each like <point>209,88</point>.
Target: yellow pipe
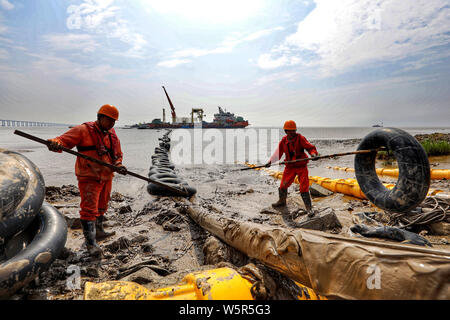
<point>436,174</point>
<point>215,284</point>
<point>346,186</point>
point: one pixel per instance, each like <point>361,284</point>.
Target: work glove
<point>268,164</point>
<point>121,169</point>
<point>54,146</point>
<point>314,157</point>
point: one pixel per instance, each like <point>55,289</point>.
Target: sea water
<point>138,146</point>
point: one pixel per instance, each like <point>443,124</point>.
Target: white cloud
<point>3,28</point>
<point>58,67</point>
<point>217,12</point>
<point>62,41</point>
<point>6,40</point>
<point>341,35</point>
<point>285,76</point>
<point>195,53</point>
<point>5,4</point>
<point>225,47</point>
<point>4,54</point>
<point>103,18</point>
<point>267,61</point>
<point>259,34</point>
<point>173,63</point>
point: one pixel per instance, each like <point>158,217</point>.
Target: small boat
<point>378,125</point>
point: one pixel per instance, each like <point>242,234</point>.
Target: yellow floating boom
<point>215,284</point>
<point>436,174</point>
<point>346,186</point>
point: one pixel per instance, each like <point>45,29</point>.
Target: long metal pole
<point>319,157</point>
<point>112,167</point>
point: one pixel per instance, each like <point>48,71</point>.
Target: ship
<point>222,119</point>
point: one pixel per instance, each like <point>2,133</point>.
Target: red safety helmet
<point>290,125</point>
<point>109,111</point>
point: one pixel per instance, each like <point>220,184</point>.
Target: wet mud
<point>157,243</point>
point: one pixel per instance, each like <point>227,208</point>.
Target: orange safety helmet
<point>290,125</point>
<point>109,111</point>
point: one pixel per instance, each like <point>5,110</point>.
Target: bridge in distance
<point>23,123</point>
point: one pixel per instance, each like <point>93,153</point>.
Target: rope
<point>436,210</point>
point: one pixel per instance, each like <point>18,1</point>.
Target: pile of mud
<point>156,243</point>
<point>155,246</point>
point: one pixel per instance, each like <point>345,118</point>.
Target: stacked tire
<point>162,170</point>
<point>32,232</point>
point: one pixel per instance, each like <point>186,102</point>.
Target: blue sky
<point>318,62</point>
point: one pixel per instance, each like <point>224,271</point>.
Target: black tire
<point>22,192</point>
<point>164,139</point>
<point>165,146</point>
<point>155,170</point>
<point>414,170</point>
<point>48,232</point>
<point>154,189</point>
<point>153,167</point>
<point>160,151</point>
<point>162,159</point>
<point>168,180</point>
<point>162,164</point>
<point>162,170</point>
<point>160,156</point>
<point>163,175</point>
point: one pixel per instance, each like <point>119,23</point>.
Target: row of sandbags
<point>162,170</point>
<point>32,232</point>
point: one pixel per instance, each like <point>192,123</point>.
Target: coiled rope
<point>433,209</point>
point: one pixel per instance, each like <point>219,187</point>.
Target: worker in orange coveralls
<point>98,140</point>
<point>293,146</point>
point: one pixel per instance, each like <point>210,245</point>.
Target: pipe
<point>348,186</point>
<point>335,266</point>
<point>215,284</point>
<point>47,244</point>
<point>436,174</point>
<point>22,191</point>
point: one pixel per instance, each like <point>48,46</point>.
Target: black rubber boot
<point>282,201</point>
<point>100,230</point>
<point>308,203</point>
<point>89,238</point>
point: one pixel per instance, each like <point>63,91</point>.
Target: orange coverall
<point>294,149</point>
<point>94,180</point>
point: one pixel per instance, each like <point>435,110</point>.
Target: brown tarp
<point>337,266</point>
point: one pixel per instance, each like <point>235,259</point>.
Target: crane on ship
<point>174,115</point>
